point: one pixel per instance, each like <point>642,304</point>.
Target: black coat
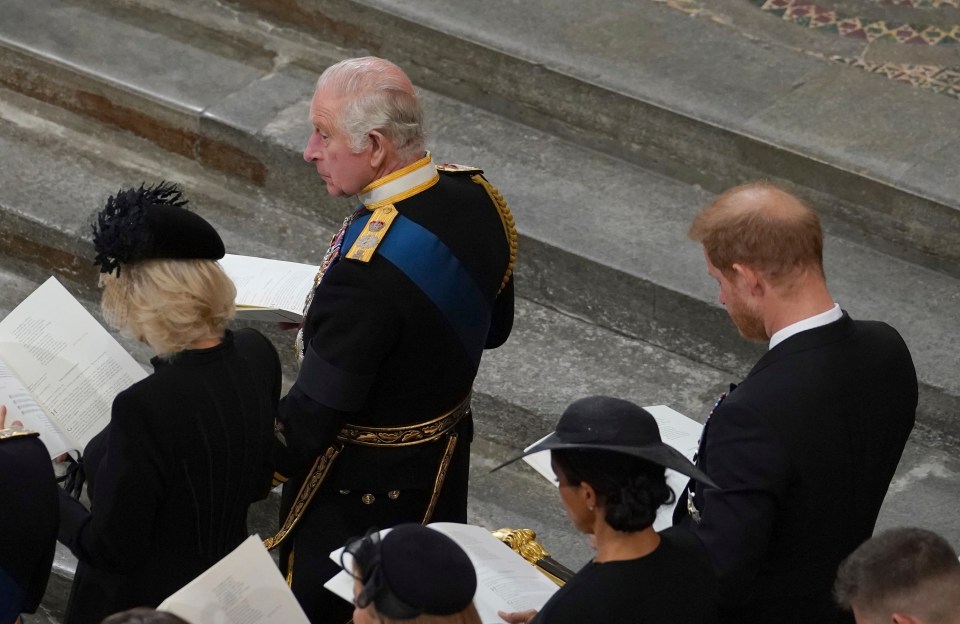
<point>386,356</point>
<point>804,450</point>
<point>28,524</point>
<point>170,478</point>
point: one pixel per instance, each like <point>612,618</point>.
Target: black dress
<point>673,584</point>
<point>170,478</point>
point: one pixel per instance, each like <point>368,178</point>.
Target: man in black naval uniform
<point>412,289</point>
<point>29,521</point>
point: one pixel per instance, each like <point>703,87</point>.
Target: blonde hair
<point>467,616</point>
<point>170,304</point>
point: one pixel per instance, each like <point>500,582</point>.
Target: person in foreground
<point>187,448</point>
<point>28,522</point>
<point>413,288</point>
<point>413,575</point>
<point>901,576</point>
<point>610,460</point>
<point>805,447</point>
<point>143,615</point>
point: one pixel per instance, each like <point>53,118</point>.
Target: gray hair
<point>378,95</point>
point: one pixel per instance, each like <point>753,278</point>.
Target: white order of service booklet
<point>269,290</point>
<point>505,580</point>
<point>60,369</point>
<point>679,431</point>
<point>245,587</point>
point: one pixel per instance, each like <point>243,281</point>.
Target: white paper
<point>22,407</point>
<point>245,587</point>
<point>679,431</point>
<point>70,364</point>
<point>505,580</point>
<point>269,290</point>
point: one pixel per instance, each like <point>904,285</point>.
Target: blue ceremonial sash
<point>430,264</point>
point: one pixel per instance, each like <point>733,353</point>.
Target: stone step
<point>714,94</point>
<point>601,238</point>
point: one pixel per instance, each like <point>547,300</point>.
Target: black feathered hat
<point>411,571</point>
<point>151,223</point>
<point>608,424</point>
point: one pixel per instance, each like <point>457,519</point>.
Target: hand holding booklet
<point>245,587</point>
<point>679,431</point>
<point>60,369</point>
<point>505,580</point>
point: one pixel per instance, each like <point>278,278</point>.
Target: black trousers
<point>334,518</point>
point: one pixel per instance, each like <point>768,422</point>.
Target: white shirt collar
<point>818,320</point>
<point>400,184</point>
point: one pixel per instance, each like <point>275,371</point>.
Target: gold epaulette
<point>462,169</point>
<point>9,434</point>
<point>372,234</point>
<point>506,218</point>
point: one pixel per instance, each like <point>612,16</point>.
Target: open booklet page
<point>679,431</point>
<point>245,587</point>
<point>68,362</point>
<point>269,290</point>
<point>22,407</point>
<point>505,580</point>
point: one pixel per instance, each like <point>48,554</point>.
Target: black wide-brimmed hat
<point>604,423</point>
<point>149,223</point>
<point>411,571</point>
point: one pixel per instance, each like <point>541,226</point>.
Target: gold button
<point>393,494</point>
<point>344,492</point>
<point>368,499</point>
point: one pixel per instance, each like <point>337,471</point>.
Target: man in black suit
<point>805,447</point>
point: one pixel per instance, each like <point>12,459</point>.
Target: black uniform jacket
<point>382,352</point>
<point>803,451</point>
<point>170,478</point>
<point>28,524</point>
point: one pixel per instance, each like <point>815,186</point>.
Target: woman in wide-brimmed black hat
<point>610,460</point>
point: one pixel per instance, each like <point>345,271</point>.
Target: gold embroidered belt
<point>443,426</point>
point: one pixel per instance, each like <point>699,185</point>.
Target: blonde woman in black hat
<point>187,448</point>
<point>413,575</point>
<point>610,460</point>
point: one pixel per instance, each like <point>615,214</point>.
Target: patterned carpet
<point>820,17</point>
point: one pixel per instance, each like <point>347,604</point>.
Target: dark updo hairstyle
<point>629,489</point>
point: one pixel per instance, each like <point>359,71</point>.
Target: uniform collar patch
<point>400,184</point>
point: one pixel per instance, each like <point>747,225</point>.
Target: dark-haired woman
<point>610,460</point>
<point>187,448</point>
